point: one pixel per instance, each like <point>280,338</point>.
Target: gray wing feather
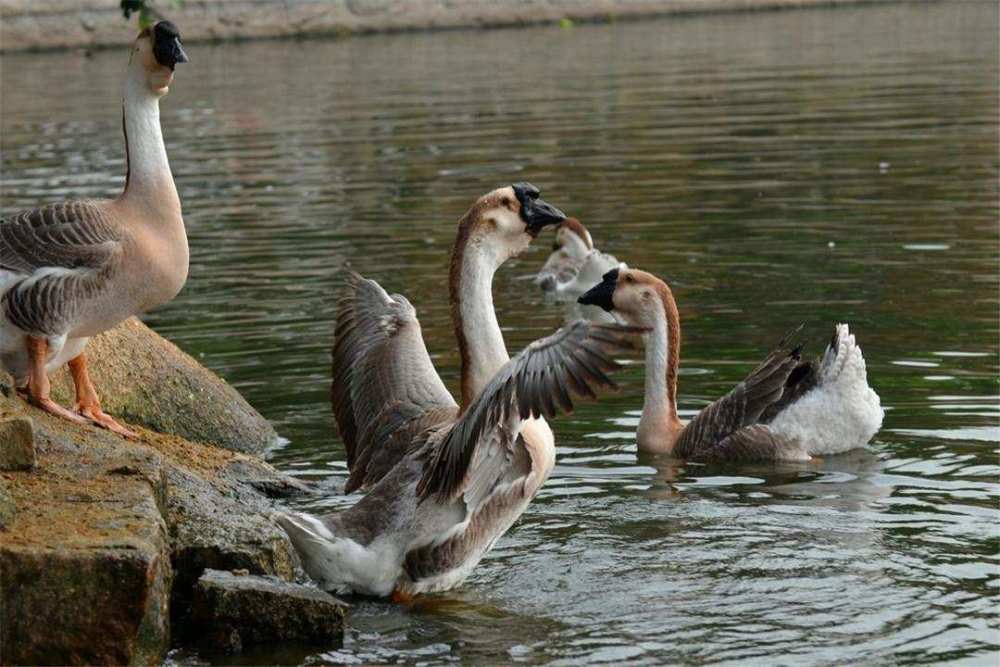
<point>385,389</point>
<point>741,407</point>
<point>752,443</point>
<point>575,359</point>
<point>66,253</point>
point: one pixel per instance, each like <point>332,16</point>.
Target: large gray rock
<point>149,381</point>
<point>226,531</point>
<point>233,611</point>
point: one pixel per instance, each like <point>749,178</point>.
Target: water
<point>777,168</point>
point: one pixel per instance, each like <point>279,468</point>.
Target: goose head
<point>636,297</point>
<point>155,53</point>
<point>504,222</point>
<point>573,241</point>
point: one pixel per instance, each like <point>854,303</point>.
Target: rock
<point>8,508</point>
<point>234,611</point>
<point>17,444</point>
<point>122,529</point>
<point>86,574</point>
<point>147,380</point>
<point>216,531</point>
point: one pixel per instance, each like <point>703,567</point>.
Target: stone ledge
<point>59,24</point>
<point>237,610</point>
<point>105,538</point>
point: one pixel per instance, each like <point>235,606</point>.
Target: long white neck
<point>659,422</point>
<point>485,351</point>
<point>149,174</point>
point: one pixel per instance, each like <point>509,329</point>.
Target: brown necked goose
<point>575,265</point>
<point>786,409</point>
<point>446,479</point>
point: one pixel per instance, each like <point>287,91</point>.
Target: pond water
<point>776,168</point>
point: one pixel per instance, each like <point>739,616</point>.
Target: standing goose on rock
<point>71,270</point>
<point>446,479</point>
<point>786,409</point>
<point>575,265</point>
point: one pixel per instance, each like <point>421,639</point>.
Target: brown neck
<point>480,341</point>
<point>455,299</point>
<point>660,425</point>
<point>673,345</point>
<point>128,161</point>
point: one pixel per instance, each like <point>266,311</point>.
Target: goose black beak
<point>536,213</point>
<point>602,294</point>
<point>178,51</point>
<point>167,47</point>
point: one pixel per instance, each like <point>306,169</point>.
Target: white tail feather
<point>842,412</point>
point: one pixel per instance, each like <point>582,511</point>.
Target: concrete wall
<point>55,24</point>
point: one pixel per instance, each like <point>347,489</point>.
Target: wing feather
<point>385,389</point>
<point>522,389</point>
<point>741,407</point>
<point>66,253</point>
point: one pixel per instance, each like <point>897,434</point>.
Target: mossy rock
<point>147,380</point>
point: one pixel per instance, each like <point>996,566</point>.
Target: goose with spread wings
<point>464,478</point>
<point>445,478</point>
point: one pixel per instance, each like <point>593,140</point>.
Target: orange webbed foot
<point>100,418</point>
<point>53,408</point>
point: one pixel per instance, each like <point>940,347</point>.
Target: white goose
<point>575,265</point>
<point>71,270</point>
<point>446,480</point>
<point>785,409</point>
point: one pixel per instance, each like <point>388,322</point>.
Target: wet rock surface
<point>105,538</point>
<point>91,560</point>
<point>17,444</point>
<point>146,380</point>
<point>233,611</point>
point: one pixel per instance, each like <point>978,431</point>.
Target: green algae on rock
<point>145,379</point>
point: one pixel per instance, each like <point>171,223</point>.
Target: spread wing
<point>540,381</point>
<point>385,390</point>
<point>720,430</point>
<point>65,253</point>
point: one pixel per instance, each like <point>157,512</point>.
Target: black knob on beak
<point>536,213</point>
<point>167,47</point>
<point>602,294</point>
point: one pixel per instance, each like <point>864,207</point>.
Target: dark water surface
<point>814,166</point>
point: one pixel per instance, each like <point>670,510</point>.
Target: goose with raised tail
<point>785,409</point>
<point>445,479</point>
<point>575,265</point>
<point>71,270</point>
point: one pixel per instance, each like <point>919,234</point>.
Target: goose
<point>70,270</point>
<point>575,265</point>
<point>444,479</point>
<point>785,409</point>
